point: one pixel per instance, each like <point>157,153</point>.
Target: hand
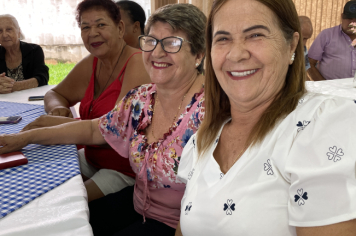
<point>61,111</point>
<point>47,121</point>
<point>6,84</point>
<point>12,142</point>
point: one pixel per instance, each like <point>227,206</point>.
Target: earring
<point>293,56</point>
<point>197,64</point>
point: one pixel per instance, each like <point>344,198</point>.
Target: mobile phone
<point>10,119</point>
<point>35,98</point>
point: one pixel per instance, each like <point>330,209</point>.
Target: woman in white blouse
<point>269,158</point>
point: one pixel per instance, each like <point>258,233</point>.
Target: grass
<point>58,72</point>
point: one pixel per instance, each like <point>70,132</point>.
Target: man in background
<point>307,31</point>
<point>332,49</point>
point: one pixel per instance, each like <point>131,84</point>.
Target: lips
<point>160,65</point>
<point>96,44</point>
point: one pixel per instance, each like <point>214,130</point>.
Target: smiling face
<point>169,69</point>
<point>250,55</point>
<point>9,34</point>
<point>99,32</point>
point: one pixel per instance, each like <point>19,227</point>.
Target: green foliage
<point>58,72</point>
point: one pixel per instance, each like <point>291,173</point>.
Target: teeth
<point>160,64</point>
<point>241,74</point>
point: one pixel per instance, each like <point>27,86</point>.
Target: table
<point>61,211</point>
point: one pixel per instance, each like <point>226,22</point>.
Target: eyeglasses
<point>170,44</point>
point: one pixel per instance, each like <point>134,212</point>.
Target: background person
<point>150,127</point>
<point>332,49</point>
<point>134,18</point>
<point>306,33</point>
<point>98,82</point>
<point>269,158</point>
<point>22,64</point>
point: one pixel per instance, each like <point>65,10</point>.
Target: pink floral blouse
<point>158,191</point>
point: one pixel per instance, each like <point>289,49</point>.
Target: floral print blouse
<point>158,191</point>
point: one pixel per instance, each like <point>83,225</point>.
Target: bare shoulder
<point>74,85</point>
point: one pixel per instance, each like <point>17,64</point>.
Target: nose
<point>238,52</point>
<point>158,52</point>
<point>93,32</point>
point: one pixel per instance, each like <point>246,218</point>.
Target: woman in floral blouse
<point>150,126</point>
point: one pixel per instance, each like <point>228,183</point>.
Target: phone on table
<point>35,98</point>
<point>10,119</point>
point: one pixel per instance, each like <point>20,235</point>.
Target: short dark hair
<point>106,5</point>
<point>134,11</point>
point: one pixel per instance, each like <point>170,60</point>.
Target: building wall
<point>52,24</point>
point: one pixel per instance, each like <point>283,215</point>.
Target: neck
<point>244,119</point>
<point>12,53</point>
<point>176,94</point>
<point>110,60</point>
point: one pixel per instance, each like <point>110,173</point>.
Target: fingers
<point>11,143</point>
<point>6,86</point>
<point>37,123</point>
<point>63,111</point>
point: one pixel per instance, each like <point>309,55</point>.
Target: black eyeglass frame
<point>161,42</point>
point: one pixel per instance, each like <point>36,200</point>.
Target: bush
<point>58,72</point>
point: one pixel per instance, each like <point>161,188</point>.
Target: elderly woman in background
<point>269,158</point>
<point>22,64</point>
<point>150,127</point>
<point>98,81</point>
<point>134,18</point>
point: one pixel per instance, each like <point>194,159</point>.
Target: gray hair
<point>185,17</point>
<point>22,36</point>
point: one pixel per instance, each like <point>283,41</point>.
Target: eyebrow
<point>221,32</point>
<point>256,27</point>
<point>84,23</point>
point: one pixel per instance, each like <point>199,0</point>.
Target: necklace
<point>117,62</point>
<point>102,90</point>
<point>180,105</point>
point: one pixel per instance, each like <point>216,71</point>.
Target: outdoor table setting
<point>47,195</point>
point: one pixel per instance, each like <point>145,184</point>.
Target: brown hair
<point>185,17</point>
<point>217,103</point>
<point>106,5</point>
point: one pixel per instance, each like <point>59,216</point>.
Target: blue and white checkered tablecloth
<point>47,168</point>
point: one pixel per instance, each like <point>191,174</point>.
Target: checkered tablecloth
<point>47,168</point>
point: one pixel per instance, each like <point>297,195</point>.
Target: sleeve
<point>39,70</point>
<point>316,50</point>
<point>187,159</point>
<point>117,126</point>
<point>322,164</point>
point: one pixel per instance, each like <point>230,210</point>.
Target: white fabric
<point>302,174</point>
<point>62,211</point>
<point>108,181</point>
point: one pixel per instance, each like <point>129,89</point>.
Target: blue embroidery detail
<point>268,168</point>
<point>188,208</point>
<point>217,140</point>
<point>300,197</point>
<point>190,175</point>
<point>221,175</point>
<point>166,186</point>
<point>302,125</point>
<point>229,206</point>
<point>335,153</point>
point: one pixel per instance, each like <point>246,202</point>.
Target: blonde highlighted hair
<point>217,104</point>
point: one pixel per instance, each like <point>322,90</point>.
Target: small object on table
<point>35,98</point>
<point>10,119</point>
<point>12,159</point>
